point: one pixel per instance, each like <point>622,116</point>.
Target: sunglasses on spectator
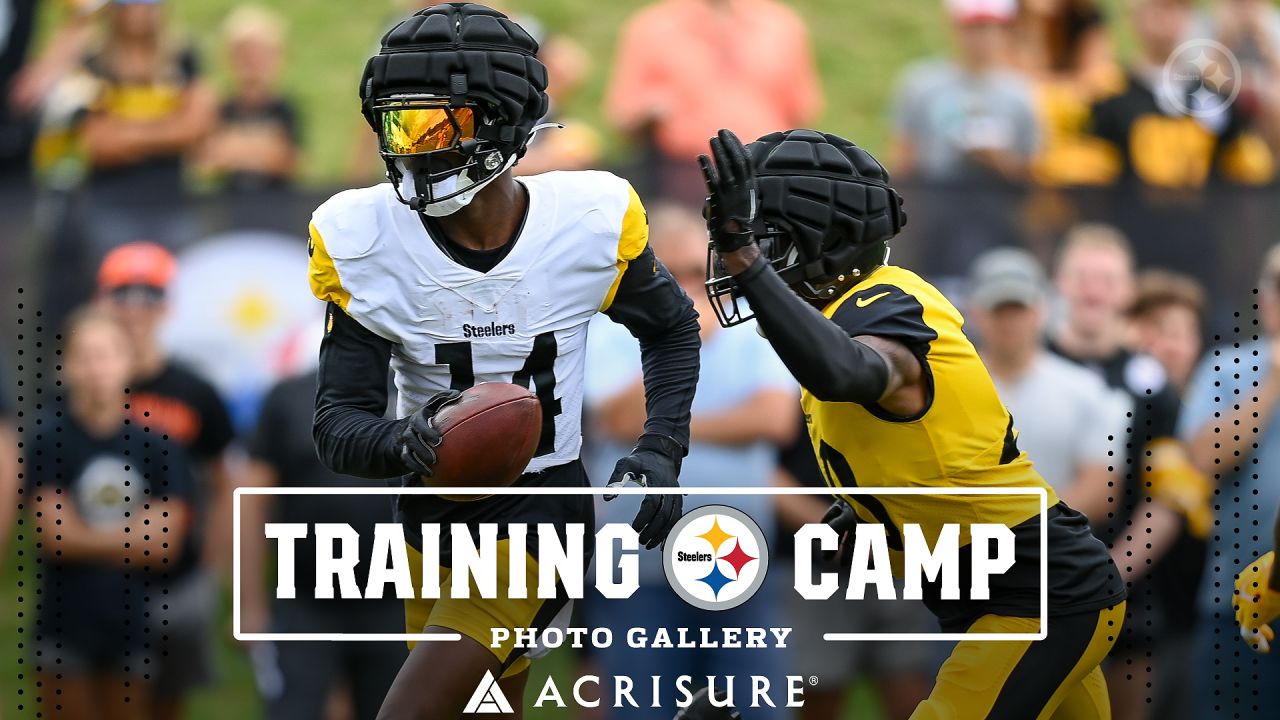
<point>142,295</point>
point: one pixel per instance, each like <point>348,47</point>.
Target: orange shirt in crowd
<point>691,67</point>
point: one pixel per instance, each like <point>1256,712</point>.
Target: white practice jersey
<point>523,322</point>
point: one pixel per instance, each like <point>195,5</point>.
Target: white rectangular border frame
<point>830,637</point>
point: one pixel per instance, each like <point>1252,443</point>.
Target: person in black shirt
<point>1175,133</point>
<point>111,501</point>
<point>283,455</point>
<point>255,148</point>
<point>176,403</point>
<point>153,107</point>
<point>1148,538</point>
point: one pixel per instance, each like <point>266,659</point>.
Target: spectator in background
<point>111,504</point>
<point>1064,49</point>
<point>1149,123</point>
<point>256,146</point>
<point>966,127</point>
<point>685,68</point>
<point>172,401</point>
<point>284,455</point>
<point>1168,315</point>
<point>1065,418</point>
<point>152,108</point>
<point>1147,537</point>
<point>1230,429</point>
<point>740,416</point>
<point>971,117</point>
<point>1250,29</point>
<point>1166,319</point>
<point>901,672</point>
<point>25,84</point>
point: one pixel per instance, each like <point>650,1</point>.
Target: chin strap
<point>543,126</point>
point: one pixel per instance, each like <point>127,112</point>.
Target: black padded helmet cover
<point>829,198</point>
<point>467,52</point>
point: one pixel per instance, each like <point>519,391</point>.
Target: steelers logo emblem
<point>716,557</point>
<point>1201,78</point>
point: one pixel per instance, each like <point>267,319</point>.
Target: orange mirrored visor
<point>411,130</point>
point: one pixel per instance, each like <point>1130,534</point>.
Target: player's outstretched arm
<point>352,437</point>
<point>660,315</point>
<point>651,305</point>
<point>817,351</point>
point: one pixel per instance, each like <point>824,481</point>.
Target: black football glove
<point>655,463</point>
<point>702,709</point>
<point>841,518</point>
<point>731,192</point>
<point>419,438</point>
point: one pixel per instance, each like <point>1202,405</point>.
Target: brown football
<point>489,434</point>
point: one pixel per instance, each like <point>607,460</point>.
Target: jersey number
<point>539,369</point>
<point>836,467</point>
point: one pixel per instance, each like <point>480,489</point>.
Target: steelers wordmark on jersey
<point>523,322</point>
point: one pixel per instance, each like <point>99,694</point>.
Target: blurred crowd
<point>1101,222</point>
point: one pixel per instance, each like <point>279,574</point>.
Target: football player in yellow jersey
<point>896,396</point>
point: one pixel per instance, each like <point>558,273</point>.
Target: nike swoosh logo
<point>863,302</point>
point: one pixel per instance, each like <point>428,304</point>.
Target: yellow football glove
<point>1176,483</point>
<point>1257,605</point>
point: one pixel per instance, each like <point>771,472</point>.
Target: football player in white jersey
<point>456,273</point>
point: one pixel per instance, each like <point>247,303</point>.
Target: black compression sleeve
<point>819,353</point>
<point>660,315</point>
<point>350,433</point>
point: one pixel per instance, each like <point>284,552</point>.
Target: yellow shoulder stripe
<point>323,274</point>
<point>632,240</point>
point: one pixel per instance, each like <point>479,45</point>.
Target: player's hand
<point>841,518</point>
<point>419,438</point>
<point>1257,604</point>
<point>731,193</point>
<point>654,463</point>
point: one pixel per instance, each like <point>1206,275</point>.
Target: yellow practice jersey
<point>964,438</point>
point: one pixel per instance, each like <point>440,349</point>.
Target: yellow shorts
<point>1057,677</point>
<point>476,617</point>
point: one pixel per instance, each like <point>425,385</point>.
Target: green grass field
<point>861,46</point>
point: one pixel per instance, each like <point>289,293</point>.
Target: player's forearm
<point>351,435</point>
<point>651,305</point>
<point>822,357</point>
<point>351,441</point>
<point>670,379</point>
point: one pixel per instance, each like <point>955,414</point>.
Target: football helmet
<point>825,216</point>
<point>454,95</point>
